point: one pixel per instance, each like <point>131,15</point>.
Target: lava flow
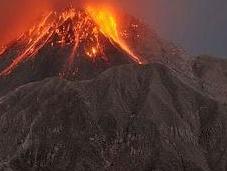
<point>2,50</point>
<point>74,29</point>
<point>108,26</point>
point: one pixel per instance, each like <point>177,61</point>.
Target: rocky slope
<point>212,74</point>
<point>131,117</point>
<point>50,62</point>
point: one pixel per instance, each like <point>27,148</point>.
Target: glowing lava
<point>2,50</point>
<point>107,24</point>
<point>80,30</point>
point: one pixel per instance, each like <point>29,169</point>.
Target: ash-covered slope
<point>129,118</point>
<point>212,74</point>
<point>51,61</point>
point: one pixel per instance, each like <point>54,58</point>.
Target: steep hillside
<point>132,117</point>
<point>212,73</point>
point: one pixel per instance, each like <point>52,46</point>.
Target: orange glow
<point>106,21</point>
<point>2,50</point>
<point>92,53</point>
<point>80,30</point>
<point>38,36</point>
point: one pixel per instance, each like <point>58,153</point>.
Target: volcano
<point>79,44</point>
<point>87,33</point>
<point>72,44</point>
<point>117,97</point>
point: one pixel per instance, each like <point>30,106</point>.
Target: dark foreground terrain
<point>131,117</point>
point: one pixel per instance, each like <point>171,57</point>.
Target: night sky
<point>199,26</point>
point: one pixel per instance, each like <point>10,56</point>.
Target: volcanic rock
<point>131,117</point>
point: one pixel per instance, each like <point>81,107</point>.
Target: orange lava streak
<point>2,50</point>
<point>37,34</point>
<point>79,35</point>
<point>108,26</point>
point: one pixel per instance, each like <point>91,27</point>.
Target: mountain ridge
<point>106,114</point>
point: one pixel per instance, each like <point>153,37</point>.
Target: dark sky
<point>199,26</point>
